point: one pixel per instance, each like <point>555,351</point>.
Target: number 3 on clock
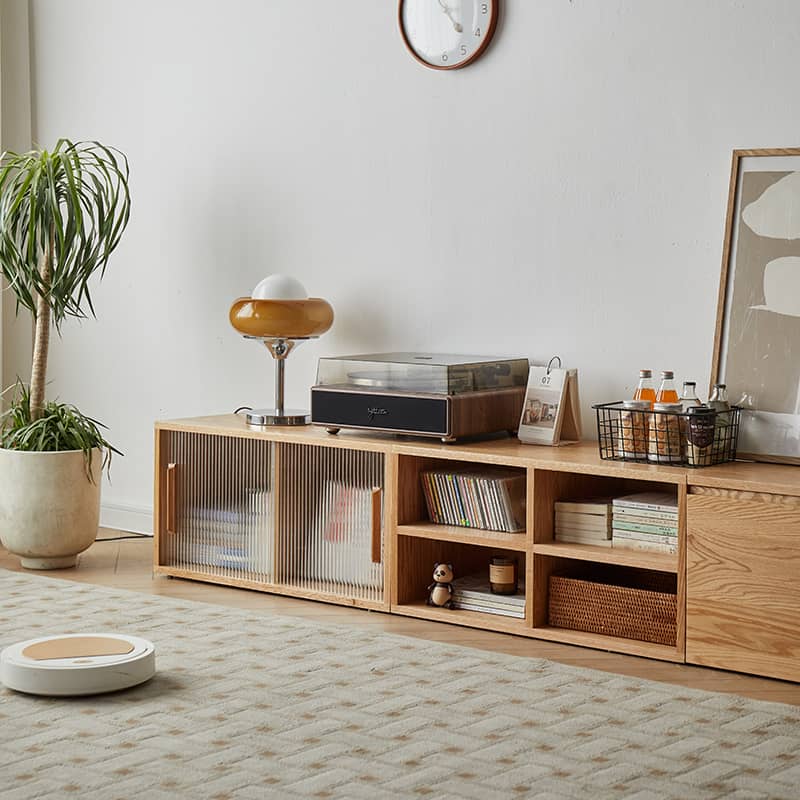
<point>447,34</point>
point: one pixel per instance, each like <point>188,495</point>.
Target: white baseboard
<point>126,518</point>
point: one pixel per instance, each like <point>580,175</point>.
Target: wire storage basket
<point>698,437</point>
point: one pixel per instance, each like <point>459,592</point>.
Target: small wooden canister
<point>503,575</point>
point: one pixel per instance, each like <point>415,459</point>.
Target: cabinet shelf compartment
<point>218,516</point>
<point>330,522</point>
<point>550,487</point>
<point>614,601</point>
<point>415,560</point>
<point>469,619</point>
<point>413,508</point>
<point>456,533</point>
<point>614,644</point>
<point>658,562</point>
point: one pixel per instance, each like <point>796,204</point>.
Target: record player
<point>424,394</point>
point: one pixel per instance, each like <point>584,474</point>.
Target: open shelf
<point>615,644</point>
<point>569,560</point>
<point>412,508</point>
<point>659,562</point>
<point>415,557</point>
<point>455,533</point>
<point>550,487</point>
<point>472,619</point>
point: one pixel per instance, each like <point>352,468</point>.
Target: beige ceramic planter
<point>49,509</point>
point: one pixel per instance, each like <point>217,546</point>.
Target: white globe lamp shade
<point>280,287</point>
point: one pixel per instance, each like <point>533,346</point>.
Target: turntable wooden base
<point>445,417</point>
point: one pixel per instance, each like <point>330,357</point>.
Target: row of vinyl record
<point>490,499</point>
<point>641,521</point>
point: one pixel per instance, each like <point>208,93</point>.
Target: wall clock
<point>447,34</point>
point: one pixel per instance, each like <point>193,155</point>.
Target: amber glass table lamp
<point>281,315</point>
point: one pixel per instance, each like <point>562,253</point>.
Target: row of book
<point>490,499</point>
<point>472,593</point>
<point>641,521</point>
<point>236,537</point>
<point>335,545</point>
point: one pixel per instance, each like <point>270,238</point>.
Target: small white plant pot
<point>49,509</point>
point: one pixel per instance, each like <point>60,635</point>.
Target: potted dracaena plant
<point>62,213</point>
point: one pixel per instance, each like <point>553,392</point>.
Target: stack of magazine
<point>646,521</point>
<point>472,593</point>
<point>490,499</point>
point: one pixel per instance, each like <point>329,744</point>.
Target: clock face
<point>447,34</point>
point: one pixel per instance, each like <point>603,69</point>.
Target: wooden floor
<point>127,564</point>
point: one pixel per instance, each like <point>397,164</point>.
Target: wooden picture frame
<point>757,335</point>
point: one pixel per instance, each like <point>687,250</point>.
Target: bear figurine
<point>440,592</point>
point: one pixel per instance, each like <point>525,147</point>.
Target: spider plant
<point>62,214</point>
<point>59,427</point>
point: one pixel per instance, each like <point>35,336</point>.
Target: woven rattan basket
<point>646,611</point>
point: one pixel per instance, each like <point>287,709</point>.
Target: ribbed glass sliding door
<point>219,506</point>
<point>330,521</point>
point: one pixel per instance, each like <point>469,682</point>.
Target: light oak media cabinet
<point>342,519</point>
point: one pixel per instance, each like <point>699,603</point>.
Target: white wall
<point>15,134</point>
<point>566,194</point>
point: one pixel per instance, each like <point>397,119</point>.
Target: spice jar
<point>634,423</point>
<point>666,435</point>
<point>700,436</point>
<point>503,575</point>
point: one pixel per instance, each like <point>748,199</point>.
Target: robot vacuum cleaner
<point>77,664</point>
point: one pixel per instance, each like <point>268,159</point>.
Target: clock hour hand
<point>446,9</point>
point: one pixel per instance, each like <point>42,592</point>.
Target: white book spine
<point>637,536</point>
<point>646,506</point>
<point>630,544</point>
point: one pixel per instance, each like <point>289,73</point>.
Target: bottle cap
<point>639,405</point>
<point>694,410</point>
<point>667,374</point>
<point>689,383</point>
<point>667,407</point>
<point>645,373</point>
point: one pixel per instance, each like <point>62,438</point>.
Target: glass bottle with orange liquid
<point>667,393</point>
<point>645,390</point>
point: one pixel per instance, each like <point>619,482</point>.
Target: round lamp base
<point>261,417</point>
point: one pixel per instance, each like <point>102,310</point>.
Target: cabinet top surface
<point>582,457</point>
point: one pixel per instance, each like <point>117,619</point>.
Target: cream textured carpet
<point>253,706</point>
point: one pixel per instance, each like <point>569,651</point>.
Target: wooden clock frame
<point>487,39</point>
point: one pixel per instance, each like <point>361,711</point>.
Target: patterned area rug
<point>255,706</point>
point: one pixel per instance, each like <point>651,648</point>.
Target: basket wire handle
<point>554,358</point>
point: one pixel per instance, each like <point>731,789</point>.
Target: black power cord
<point>130,536</point>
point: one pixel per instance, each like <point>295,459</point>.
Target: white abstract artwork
<point>758,348</point>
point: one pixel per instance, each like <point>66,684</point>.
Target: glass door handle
<point>377,497</point>
<point>171,525</point>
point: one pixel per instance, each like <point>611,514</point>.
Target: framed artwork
<point>757,339</point>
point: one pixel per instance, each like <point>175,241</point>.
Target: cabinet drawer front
<point>743,584</point>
